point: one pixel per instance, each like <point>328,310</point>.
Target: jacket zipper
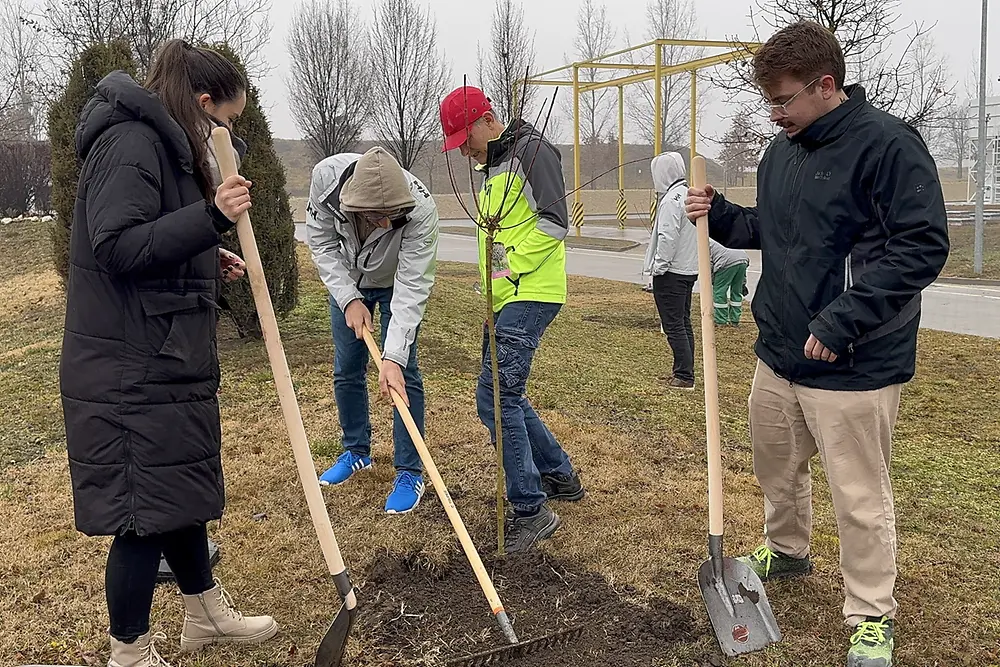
<point>800,153</point>
<point>371,251</point>
<point>848,284</point>
<point>129,480</point>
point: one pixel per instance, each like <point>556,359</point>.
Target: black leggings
<point>130,576</point>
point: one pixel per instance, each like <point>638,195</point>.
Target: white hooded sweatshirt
<point>673,244</point>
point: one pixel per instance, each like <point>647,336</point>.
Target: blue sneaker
<point>348,464</point>
<point>406,493</point>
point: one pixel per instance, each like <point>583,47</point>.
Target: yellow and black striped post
<point>622,209</point>
<point>578,216</point>
<point>652,211</point>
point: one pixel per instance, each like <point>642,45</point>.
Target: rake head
<point>513,651</point>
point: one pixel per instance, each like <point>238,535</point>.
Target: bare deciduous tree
<point>25,185</point>
<point>667,19</point>
<point>740,151</point>
<point>595,37</point>
<point>961,121</point>
<point>329,85</point>
<point>242,24</point>
<point>408,78</point>
<point>510,56</point>
<point>880,53</point>
<point>19,61</point>
<point>931,90</point>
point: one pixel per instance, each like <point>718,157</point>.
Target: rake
<point>516,648</point>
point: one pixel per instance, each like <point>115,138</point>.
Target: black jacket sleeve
<point>127,232</point>
<point>908,201</point>
<point>732,225</point>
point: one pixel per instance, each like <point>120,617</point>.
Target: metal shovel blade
<point>737,605</point>
<point>331,650</point>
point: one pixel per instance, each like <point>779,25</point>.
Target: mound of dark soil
<point>414,611</point>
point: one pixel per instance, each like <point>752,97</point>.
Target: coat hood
<point>119,99</point>
<point>667,169</point>
<point>515,134</point>
<point>377,184</point>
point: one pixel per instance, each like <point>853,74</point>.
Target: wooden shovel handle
<point>279,367</point>
<point>712,428</point>
<point>439,486</point>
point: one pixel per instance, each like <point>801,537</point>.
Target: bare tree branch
<point>510,56</point>
<point>408,78</point>
<point>595,36</point>
<point>329,86</point>
<point>667,19</point>
<point>145,24</point>
<point>925,104</point>
<point>896,66</point>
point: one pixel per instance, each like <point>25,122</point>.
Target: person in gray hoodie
<point>372,228</point>
<point>672,260</point>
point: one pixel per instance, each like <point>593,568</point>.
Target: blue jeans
<point>529,448</point>
<point>350,387</point>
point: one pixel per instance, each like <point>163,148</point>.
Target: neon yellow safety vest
<point>524,188</point>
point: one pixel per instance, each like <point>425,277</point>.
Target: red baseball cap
<point>460,109</point>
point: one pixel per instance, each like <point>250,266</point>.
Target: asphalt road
<point>964,309</point>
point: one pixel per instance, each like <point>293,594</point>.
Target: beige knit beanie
<point>378,184</point>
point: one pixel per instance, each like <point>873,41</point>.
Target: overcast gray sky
<point>463,23</point>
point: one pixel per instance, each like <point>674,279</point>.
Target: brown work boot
<point>211,618</point>
<point>139,653</point>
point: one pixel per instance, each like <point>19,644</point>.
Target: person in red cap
<point>523,185</point>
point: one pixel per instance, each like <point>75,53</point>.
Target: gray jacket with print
<point>403,257</point>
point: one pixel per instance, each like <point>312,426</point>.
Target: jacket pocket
<point>181,330</point>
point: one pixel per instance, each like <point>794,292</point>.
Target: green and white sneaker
<point>871,643</point>
<point>770,565</point>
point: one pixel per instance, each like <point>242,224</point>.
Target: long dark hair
<point>178,76</point>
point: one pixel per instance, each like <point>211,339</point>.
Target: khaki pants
<point>852,431</point>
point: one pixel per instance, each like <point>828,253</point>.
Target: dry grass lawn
<point>960,259</point>
<point>598,381</point>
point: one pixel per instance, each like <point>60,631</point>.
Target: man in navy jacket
<point>851,224</point>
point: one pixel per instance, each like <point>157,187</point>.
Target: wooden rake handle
<point>442,491</point>
<point>715,524</point>
<point>282,377</point>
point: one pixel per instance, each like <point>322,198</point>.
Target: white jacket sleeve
<point>415,273</point>
<point>647,262</point>
<point>325,243</point>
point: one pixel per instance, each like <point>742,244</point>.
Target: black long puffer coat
<point>139,370</point>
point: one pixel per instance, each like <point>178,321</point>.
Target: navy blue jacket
<point>851,224</point>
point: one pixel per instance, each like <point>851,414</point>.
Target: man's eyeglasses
<point>782,109</point>
<point>375,217</point>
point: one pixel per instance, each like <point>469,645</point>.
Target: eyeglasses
<point>378,216</point>
<point>782,109</point>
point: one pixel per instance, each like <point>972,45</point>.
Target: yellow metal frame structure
<point>638,73</point>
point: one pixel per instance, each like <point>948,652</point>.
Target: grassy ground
<point>960,259</point>
<point>598,382</point>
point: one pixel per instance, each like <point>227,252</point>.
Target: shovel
<point>331,648</point>
<point>515,648</point>
<point>734,595</point>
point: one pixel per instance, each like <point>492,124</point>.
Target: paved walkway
<point>965,309</point>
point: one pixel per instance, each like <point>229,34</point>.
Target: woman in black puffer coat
<point>139,371</point>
